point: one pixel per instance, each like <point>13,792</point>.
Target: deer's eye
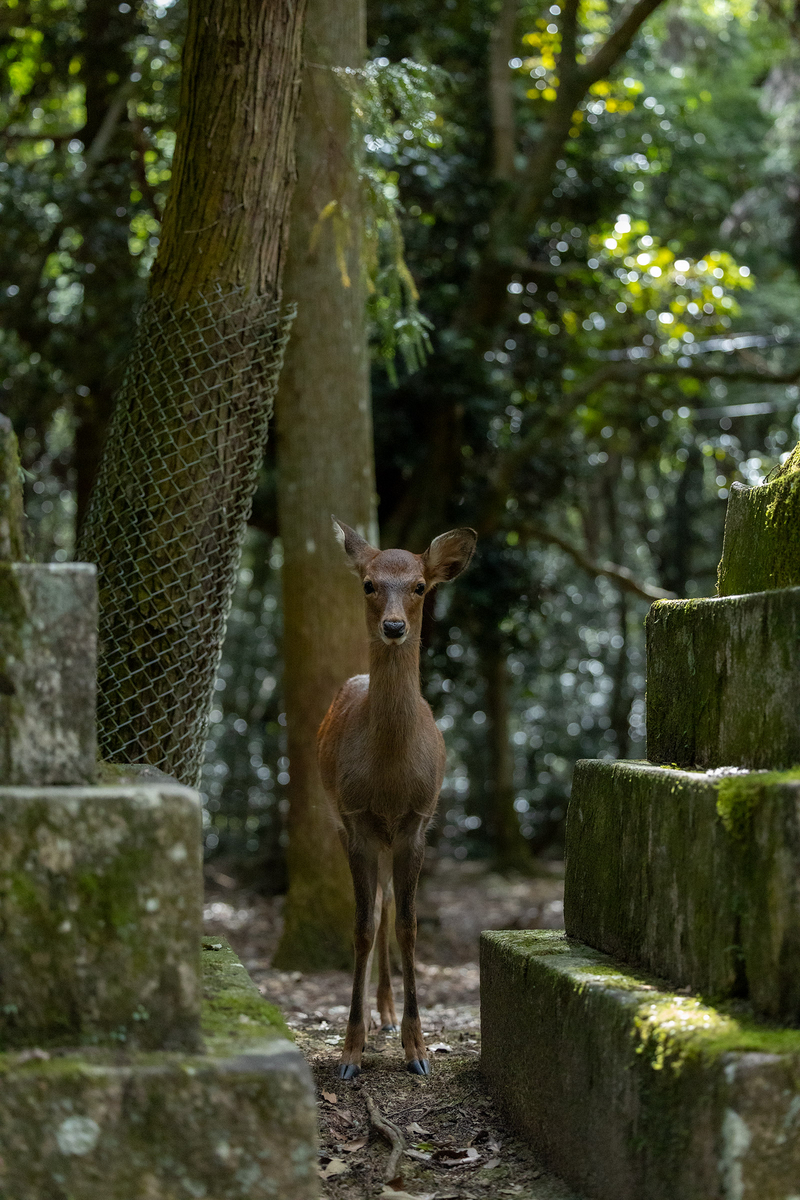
<point>419,589</point>
<point>368,588</point>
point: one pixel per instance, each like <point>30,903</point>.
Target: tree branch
<point>501,47</point>
<point>621,576</point>
<point>618,43</point>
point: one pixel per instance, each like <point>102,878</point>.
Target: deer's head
<point>395,581</point>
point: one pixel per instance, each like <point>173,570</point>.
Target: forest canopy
<point>581,252</point>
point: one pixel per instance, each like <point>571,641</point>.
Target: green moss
<point>738,796</point>
<point>233,1009</point>
<point>762,534</point>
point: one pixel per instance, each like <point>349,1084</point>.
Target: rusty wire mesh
<point>168,514</point>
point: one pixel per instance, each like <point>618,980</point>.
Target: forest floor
<point>458,1146</point>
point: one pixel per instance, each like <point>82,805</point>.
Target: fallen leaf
<point>395,1185</point>
<point>344,1114</point>
<point>358,1144</point>
<point>418,1155</point>
<point>491,1164</point>
<point>335,1167</point>
<point>331,1097</point>
<point>415,1128</point>
<point>440,1048</point>
<point>466,1157</point>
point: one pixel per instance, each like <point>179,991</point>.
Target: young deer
<point>382,759</point>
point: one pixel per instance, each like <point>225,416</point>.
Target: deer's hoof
<point>419,1066</point>
<point>348,1070</point>
<point>389,1028</point>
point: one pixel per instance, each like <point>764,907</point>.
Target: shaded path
<point>462,1148</point>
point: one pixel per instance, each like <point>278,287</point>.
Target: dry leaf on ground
<point>358,1144</point>
<point>335,1167</point>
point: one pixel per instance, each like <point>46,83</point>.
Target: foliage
<point>599,372</point>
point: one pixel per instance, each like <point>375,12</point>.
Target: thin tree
<point>325,465</point>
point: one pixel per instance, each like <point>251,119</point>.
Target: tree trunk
<point>323,418</point>
<point>511,850</point>
<point>169,510</point>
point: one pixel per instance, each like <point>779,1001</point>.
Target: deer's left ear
<point>448,555</point>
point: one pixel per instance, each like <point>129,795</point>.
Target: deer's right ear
<point>358,551</point>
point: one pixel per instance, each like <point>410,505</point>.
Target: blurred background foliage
<point>589,424</point>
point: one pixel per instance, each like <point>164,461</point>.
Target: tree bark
<point>501,95</point>
<point>168,513</point>
<point>511,850</point>
<point>323,417</point>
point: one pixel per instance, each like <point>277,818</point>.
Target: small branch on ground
<point>390,1131</point>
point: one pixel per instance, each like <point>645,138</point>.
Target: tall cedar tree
<point>325,465</point>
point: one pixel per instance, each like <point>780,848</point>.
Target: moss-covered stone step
<point>235,1123</point>
<point>48,673</point>
<point>723,678</point>
<point>762,535</point>
<point>694,876</point>
<point>632,1092</point>
<point>100,902</point>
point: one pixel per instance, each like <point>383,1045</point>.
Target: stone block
<point>48,673</point>
<point>761,549</point>
<point>12,514</point>
<point>235,1123</point>
<point>100,901</point>
<point>695,877</point>
<point>632,1092</point>
<point>723,677</point>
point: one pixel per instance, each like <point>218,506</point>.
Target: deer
<point>382,759</point>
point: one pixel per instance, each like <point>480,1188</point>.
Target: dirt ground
<point>456,1145</point>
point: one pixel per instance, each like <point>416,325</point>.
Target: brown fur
<point>382,760</point>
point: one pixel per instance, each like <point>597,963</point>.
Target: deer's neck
<point>394,694</point>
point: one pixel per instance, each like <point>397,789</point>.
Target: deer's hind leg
<point>385,998</point>
<point>407,864</point>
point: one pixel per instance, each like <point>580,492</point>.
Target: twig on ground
<point>390,1131</point>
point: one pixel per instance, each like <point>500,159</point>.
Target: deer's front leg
<point>364,869</point>
<point>407,864</point>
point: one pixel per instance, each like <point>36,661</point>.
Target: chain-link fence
<point>168,514</point>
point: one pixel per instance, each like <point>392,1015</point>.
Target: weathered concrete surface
<point>762,536</point>
<point>238,1123</point>
<point>48,673</point>
<point>12,543</point>
<point>631,1092</point>
<point>723,680</point>
<point>100,901</point>
<point>692,876</point>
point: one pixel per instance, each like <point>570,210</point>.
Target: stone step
<point>100,911</point>
<point>630,1091</point>
<point>237,1122</point>
<point>762,537</point>
<point>694,876</point>
<point>723,677</point>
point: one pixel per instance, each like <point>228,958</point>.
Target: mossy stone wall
<point>629,1091</point>
<point>12,515</point>
<point>48,673</point>
<point>692,876</point>
<point>761,549</point>
<point>235,1123</point>
<point>723,678</point>
<point>100,912</point>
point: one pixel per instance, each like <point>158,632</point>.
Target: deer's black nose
<point>394,629</point>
